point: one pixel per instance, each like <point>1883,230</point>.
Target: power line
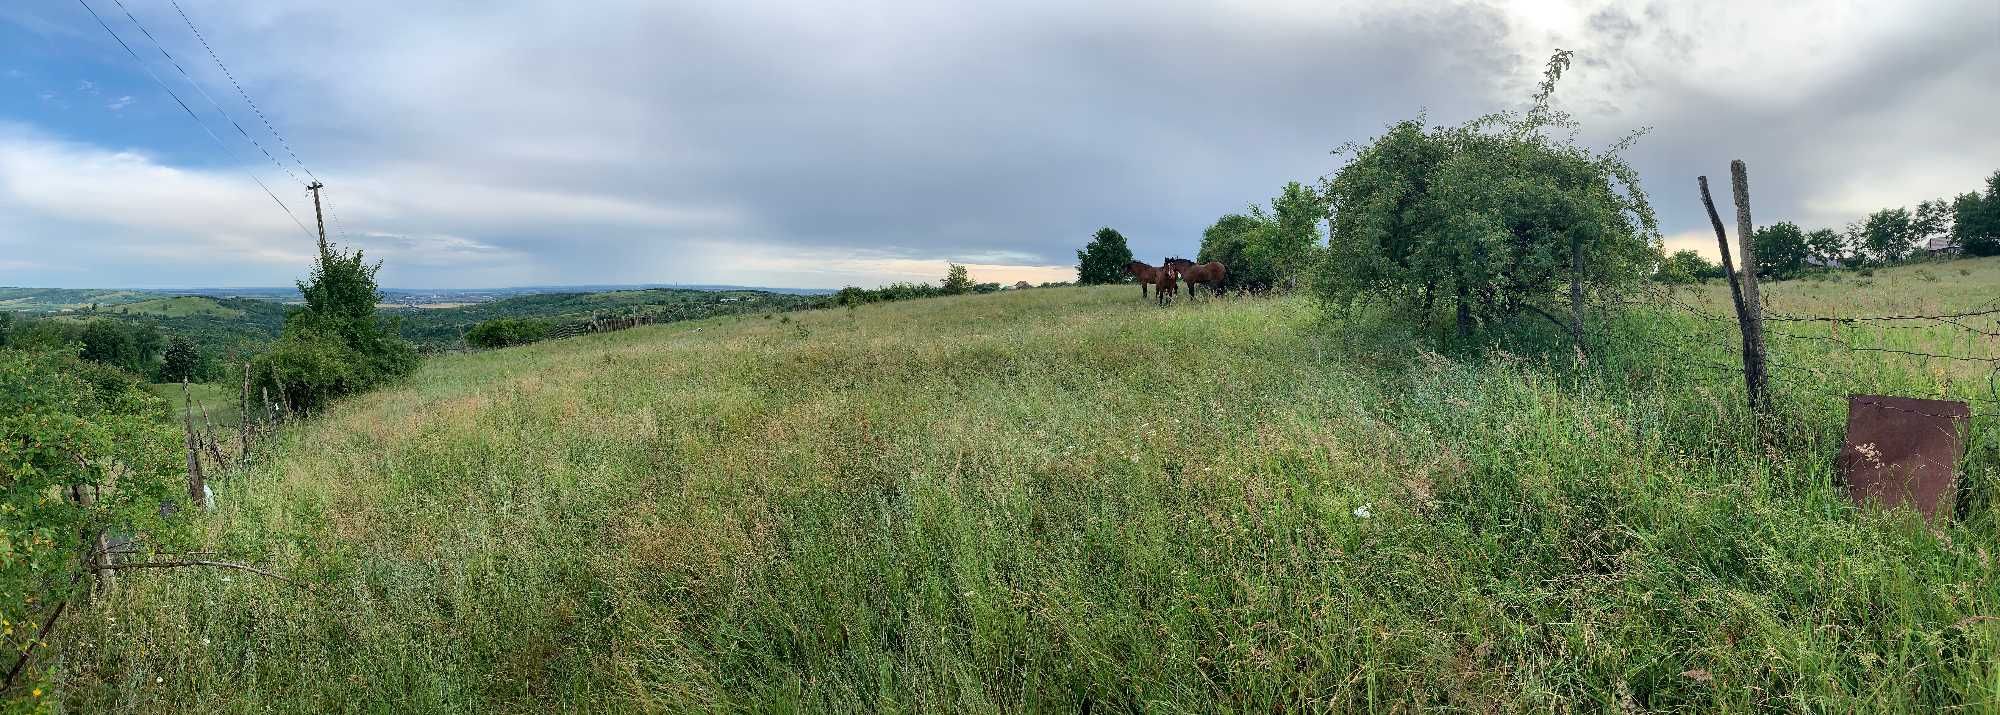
<point>204,93</point>
<point>239,89</point>
<point>191,115</point>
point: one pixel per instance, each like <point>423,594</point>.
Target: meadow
<point>1069,499</point>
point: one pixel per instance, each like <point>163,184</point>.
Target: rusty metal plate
<point>1904,451</point>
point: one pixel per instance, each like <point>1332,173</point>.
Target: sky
<point>818,145</point>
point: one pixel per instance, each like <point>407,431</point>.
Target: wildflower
<point>1364,511</point>
<point>38,692</point>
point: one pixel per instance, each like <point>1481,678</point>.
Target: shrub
<point>1484,218</point>
<point>338,343</point>
<point>83,455</point>
<point>503,332</point>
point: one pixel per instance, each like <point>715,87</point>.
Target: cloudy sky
<point>818,144</point>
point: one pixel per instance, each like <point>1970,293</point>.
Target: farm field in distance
<point>1067,498</point>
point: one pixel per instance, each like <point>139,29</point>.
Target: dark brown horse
<point>1147,275</point>
<point>1210,274</point>
<point>1166,284</point>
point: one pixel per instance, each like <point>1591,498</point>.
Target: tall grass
<point>1058,499</point>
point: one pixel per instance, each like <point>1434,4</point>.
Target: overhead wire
<point>268,126</point>
<point>191,115</point>
<point>204,93</point>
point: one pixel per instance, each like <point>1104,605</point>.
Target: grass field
<point>180,307</point>
<point>221,403</point>
<point>1048,500</point>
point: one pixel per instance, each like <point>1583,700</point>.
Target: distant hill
<point>441,326</point>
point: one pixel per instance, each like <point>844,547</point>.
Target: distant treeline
<point>1968,224</point>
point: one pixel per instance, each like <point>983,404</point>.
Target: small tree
<point>1103,260</point>
<point>1976,220</point>
<point>1684,267</point>
<point>1226,240</point>
<point>956,280</point>
<point>1489,219</point>
<point>1828,246</point>
<point>1782,250</point>
<point>503,332</point>
<point>182,361</point>
<point>1887,235</point>
<point>337,344</point>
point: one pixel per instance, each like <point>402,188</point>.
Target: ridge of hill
<point>1055,499</point>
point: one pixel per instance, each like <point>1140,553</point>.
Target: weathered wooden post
<point>197,486</point>
<point>1754,372</point>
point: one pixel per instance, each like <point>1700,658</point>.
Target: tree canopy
<point>1103,260</point>
<point>1485,217</point>
<point>338,343</point>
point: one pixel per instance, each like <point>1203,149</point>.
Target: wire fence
<point>1864,334</point>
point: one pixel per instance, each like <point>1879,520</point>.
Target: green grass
<point>1043,499</point>
<point>221,403</point>
<point>180,307</point>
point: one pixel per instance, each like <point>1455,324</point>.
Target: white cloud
<point>815,145</point>
<point>119,103</point>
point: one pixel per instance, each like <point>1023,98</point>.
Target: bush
<point>338,344</point>
<point>1484,218</point>
<point>83,454</point>
<point>503,332</point>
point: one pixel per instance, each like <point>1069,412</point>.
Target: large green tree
<point>1226,241</point>
<point>1288,239</point>
<point>1488,219</point>
<point>1782,250</point>
<point>1103,260</point>
<point>1976,219</point>
<point>1888,236</point>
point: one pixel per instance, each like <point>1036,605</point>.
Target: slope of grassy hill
<point>1051,500</point>
<point>179,307</point>
<point>442,326</point>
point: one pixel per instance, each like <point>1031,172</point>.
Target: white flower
<point>204,641</point>
<point>1364,511</point>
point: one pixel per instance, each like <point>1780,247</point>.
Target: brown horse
<point>1167,283</point>
<point>1146,274</point>
<point>1210,274</point>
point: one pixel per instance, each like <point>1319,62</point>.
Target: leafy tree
<point>338,343</point>
<point>6,326</point>
<point>70,431</point>
<point>503,332</point>
<point>1226,240</point>
<point>1290,234</point>
<point>182,361</point>
<point>1103,259</point>
<point>110,343</point>
<point>956,280</point>
<point>1782,250</point>
<point>1828,246</point>
<point>1932,219</point>
<point>1976,222</point>
<point>1887,235</point>
<point>1486,218</point>
<point>1685,267</point>
<point>986,287</point>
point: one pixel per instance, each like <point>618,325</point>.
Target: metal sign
<point>1904,451</point>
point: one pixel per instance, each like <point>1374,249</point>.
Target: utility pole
<point>318,218</point>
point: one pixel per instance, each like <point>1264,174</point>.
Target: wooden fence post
<point>243,418</point>
<point>1755,374</point>
<point>197,486</point>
